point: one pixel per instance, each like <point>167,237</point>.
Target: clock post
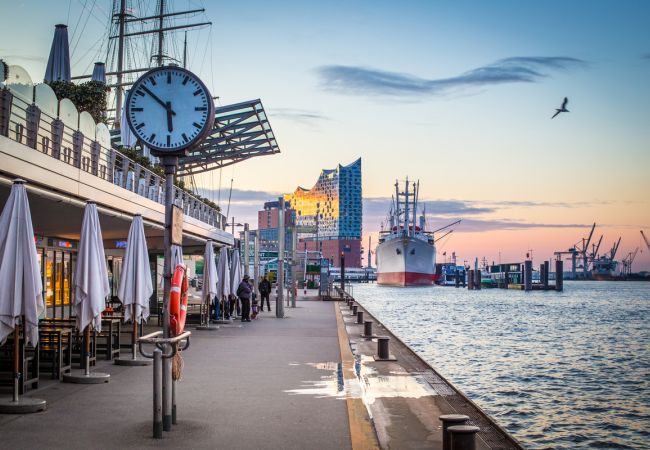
<point>171,111</point>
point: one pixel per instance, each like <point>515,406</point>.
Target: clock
<point>170,110</point>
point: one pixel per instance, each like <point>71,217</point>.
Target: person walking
<point>244,292</point>
<point>265,290</point>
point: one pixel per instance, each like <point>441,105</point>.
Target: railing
<point>26,124</point>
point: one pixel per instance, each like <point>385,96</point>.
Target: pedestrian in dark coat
<point>244,292</point>
<point>265,290</point>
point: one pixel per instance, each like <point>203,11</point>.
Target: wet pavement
<point>234,394</point>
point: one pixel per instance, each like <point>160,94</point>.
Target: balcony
<point>63,152</point>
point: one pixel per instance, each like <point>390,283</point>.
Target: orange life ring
<point>178,300</point>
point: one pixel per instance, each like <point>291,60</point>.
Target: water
<point>558,370</point>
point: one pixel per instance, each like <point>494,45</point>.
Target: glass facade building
<point>332,211</point>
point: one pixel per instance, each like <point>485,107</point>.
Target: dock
<point>306,381</point>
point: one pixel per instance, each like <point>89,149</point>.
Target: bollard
<point>359,317</point>
<point>449,420</point>
<point>367,329</point>
<point>355,309</point>
<point>383,352</point>
<point>463,437</point>
<point>157,395</point>
<point>528,275</point>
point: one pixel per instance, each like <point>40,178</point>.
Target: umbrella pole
<point>135,334</point>
<point>16,362</point>
<point>87,350</point>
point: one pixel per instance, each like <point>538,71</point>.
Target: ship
<point>406,253</point>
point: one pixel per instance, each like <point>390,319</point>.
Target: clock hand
<point>156,98</point>
<point>170,125</point>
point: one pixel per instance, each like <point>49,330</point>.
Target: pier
<point>306,381</point>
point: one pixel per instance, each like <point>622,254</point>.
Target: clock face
<point>169,109</point>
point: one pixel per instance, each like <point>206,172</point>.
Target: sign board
<point>177,225</point>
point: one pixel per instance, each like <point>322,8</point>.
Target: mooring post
<point>546,270</point>
<point>528,275</point>
<point>458,278</point>
<point>470,279</point>
<point>355,309</point>
<point>477,281</point>
<point>359,317</point>
<point>463,437</point>
<point>367,329</point>
<point>559,275</point>
<point>449,420</point>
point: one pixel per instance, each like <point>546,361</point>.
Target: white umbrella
<point>177,256</point>
<point>91,277</point>
<point>91,288</point>
<point>223,272</point>
<point>58,64</point>
<point>210,277</point>
<point>235,272</point>
<point>135,281</point>
<point>21,289</point>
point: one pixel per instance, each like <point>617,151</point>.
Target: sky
<point>458,95</point>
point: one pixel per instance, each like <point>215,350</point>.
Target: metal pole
<point>157,395</point>
<point>87,350</point>
<point>120,62</point>
<point>256,263</point>
<point>343,271</point>
<point>294,264</point>
<point>170,163</point>
<point>279,307</point>
<point>17,374</point>
<point>135,333</point>
<point>246,250</point>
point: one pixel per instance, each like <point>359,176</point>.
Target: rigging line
<point>95,56</point>
<point>82,30</point>
<point>69,6</point>
<point>92,13</point>
<point>76,26</point>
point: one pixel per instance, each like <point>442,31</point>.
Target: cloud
<point>240,197</point>
<point>298,115</point>
<point>379,206</point>
<point>646,56</point>
<point>367,81</point>
<point>478,225</point>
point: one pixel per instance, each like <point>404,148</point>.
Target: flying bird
<point>562,109</point>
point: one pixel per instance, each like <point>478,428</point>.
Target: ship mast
<point>406,207</point>
<point>397,221</point>
<point>122,19</point>
<point>416,191</point>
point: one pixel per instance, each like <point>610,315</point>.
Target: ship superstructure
<point>406,254</point>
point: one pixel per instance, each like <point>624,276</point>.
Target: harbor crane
<point>647,244</point>
<point>627,262</point>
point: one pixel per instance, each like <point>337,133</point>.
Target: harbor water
<point>558,370</point>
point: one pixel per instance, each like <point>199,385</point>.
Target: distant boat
<point>406,254</point>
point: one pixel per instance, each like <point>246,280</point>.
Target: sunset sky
<point>456,94</point>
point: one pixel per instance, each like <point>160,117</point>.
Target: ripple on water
<point>559,370</point>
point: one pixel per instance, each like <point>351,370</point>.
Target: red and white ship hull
<point>406,261</point>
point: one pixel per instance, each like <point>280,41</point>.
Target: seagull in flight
<point>562,109</point>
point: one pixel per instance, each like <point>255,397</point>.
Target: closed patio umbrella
<point>223,272</point>
<point>91,289</point>
<point>135,285</point>
<point>58,64</point>
<point>235,276</point>
<point>99,72</point>
<point>21,289</point>
<point>210,279</point>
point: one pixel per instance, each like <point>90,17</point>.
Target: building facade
<point>328,215</point>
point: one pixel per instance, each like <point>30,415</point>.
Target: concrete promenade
<point>232,395</point>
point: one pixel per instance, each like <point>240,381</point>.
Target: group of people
<point>246,303</point>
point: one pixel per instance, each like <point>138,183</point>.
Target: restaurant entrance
<point>57,259</point>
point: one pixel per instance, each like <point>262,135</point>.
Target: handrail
<point>164,343</point>
<point>84,152</point>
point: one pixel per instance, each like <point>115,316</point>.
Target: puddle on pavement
<point>366,383</point>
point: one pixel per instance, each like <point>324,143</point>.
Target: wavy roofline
<point>325,172</point>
